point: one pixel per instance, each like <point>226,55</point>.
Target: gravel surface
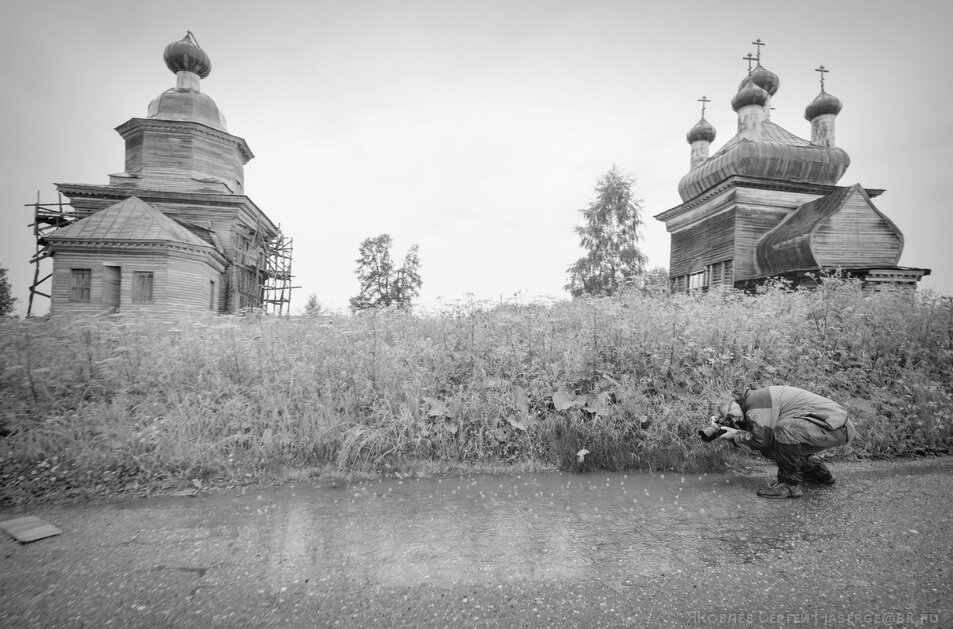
<point>548,550</point>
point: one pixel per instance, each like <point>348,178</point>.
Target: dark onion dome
<point>824,104</point>
<point>701,131</point>
<point>763,78</point>
<point>185,54</point>
<point>749,94</point>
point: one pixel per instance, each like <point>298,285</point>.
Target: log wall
<point>181,281</point>
<point>709,241</point>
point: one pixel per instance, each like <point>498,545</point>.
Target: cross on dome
<point>704,100</point>
<point>823,71</point>
<point>749,58</point>
<point>759,44</point>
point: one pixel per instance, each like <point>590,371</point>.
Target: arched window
<point>697,275</point>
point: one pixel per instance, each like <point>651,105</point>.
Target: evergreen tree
<point>313,307</point>
<point>7,300</point>
<point>383,284</point>
<point>610,237</point>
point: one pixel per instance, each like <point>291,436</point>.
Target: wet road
<point>554,550</point>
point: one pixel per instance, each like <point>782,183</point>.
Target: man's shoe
<point>817,472</point>
<point>780,491</point>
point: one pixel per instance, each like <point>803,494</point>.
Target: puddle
<point>486,530</point>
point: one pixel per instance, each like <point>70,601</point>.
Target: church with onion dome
<point>174,231</point>
<point>767,204</point>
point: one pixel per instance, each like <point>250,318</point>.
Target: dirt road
<point>542,550</point>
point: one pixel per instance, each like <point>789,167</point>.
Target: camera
<point>716,428</point>
<point>711,432</point>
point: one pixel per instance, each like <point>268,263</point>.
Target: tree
<point>382,284</point>
<point>610,238</point>
<point>656,281</point>
<point>7,300</point>
<point>313,307</point>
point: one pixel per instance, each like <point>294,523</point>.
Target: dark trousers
<point>795,440</point>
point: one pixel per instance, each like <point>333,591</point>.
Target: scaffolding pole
<point>47,218</point>
<point>276,288</point>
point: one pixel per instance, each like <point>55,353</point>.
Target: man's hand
<point>730,434</point>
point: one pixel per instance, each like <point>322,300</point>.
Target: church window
<point>697,281</point>
<point>142,287</point>
<point>80,283</point>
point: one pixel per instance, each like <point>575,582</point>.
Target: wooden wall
<point>751,225</point>
<point>181,280</point>
<point>709,241</point>
<point>180,156</point>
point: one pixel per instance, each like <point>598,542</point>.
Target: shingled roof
<point>778,155</point>
<point>130,220</point>
<point>794,244</point>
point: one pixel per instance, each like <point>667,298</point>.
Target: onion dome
<point>701,131</point>
<point>778,156</point>
<point>763,78</point>
<point>824,103</point>
<point>185,101</point>
<point>749,94</point>
<point>186,54</point>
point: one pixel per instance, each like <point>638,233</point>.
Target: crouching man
<point>788,426</point>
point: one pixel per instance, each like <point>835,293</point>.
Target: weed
<point>126,401</point>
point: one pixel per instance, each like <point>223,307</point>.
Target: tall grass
<point>131,400</point>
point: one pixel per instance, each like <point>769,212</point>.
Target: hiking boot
<point>817,472</point>
<point>780,491</point>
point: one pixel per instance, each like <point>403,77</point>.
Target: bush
<point>132,401</point>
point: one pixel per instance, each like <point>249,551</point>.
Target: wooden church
<point>767,203</point>
<point>174,231</point>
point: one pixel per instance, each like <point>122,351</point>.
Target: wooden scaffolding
<point>259,276</point>
<point>275,288</point>
<point>47,218</point>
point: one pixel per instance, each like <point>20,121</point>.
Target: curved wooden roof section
<point>778,155</point>
<point>842,229</point>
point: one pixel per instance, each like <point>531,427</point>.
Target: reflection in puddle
<point>486,530</point>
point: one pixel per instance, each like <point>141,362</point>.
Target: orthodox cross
<point>749,58</point>
<point>704,100</point>
<point>823,71</point>
<point>759,44</point>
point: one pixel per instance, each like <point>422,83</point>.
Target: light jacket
<point>764,408</point>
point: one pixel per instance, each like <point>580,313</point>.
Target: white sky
<point>475,130</point>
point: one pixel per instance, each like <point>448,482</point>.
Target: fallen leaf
<point>563,400</point>
<point>515,423</point>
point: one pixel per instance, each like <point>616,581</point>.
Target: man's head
<point>730,410</point>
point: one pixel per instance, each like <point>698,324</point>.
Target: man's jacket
<point>764,408</point>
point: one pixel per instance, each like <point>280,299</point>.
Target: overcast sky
<point>476,130</point>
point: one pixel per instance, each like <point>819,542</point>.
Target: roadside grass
<point>133,402</point>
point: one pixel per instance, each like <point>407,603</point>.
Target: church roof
<point>187,105</point>
<point>186,59</point>
<point>130,220</point>
<point>778,155</point>
<point>764,150</point>
<point>792,245</point>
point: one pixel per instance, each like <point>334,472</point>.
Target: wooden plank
<point>29,529</point>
